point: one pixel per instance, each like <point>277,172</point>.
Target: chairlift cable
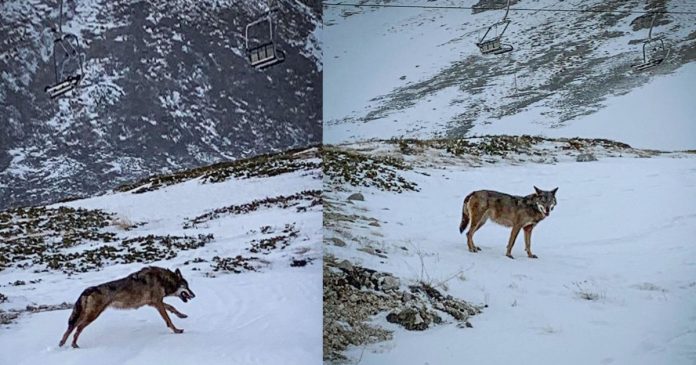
<point>456,7</point>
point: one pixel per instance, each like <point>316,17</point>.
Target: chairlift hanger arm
<point>60,19</point>
<point>652,23</point>
<point>507,10</point>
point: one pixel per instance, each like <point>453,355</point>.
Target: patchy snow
<point>417,73</point>
<point>621,235</point>
<point>658,115</point>
<point>271,316</point>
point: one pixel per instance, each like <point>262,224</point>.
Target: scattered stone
<point>389,282</point>
<point>345,265</point>
<point>300,262</point>
<point>586,157</point>
<point>301,159</point>
<point>373,251</point>
<point>6,317</point>
<point>359,170</point>
<point>356,196</point>
<point>414,319</point>
<point>301,201</point>
<point>353,295</point>
<point>267,245</point>
<point>337,242</point>
<point>237,264</point>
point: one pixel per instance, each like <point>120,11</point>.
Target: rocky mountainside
<point>423,76</point>
<point>166,86</point>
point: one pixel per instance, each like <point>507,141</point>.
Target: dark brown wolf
<point>148,286</point>
<point>517,212</point>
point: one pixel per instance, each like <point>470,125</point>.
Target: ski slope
<point>614,283</point>
<point>657,115</point>
<point>416,73</point>
<point>268,316</point>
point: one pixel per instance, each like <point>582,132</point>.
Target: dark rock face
<point>166,87</point>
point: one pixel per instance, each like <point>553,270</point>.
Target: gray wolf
<point>517,212</point>
<point>148,286</point>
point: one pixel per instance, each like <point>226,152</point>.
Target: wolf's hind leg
<point>165,316</point>
<point>477,221</point>
<point>511,242</point>
<point>528,242</point>
<point>88,318</point>
<point>173,310</point>
<point>66,335</point>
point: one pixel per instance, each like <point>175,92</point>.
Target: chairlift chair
<point>495,44</point>
<point>654,51</point>
<point>68,70</point>
<point>266,53</point>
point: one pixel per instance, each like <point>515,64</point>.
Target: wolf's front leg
<point>528,241</point>
<point>165,316</point>
<point>511,241</point>
<point>173,310</point>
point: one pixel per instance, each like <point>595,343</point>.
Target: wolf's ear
<point>538,191</point>
<point>178,272</point>
<point>554,191</point>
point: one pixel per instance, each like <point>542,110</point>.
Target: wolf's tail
<point>465,215</point>
<point>77,309</point>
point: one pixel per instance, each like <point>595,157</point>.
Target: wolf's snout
<point>186,295</point>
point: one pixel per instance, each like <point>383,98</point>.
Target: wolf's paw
<point>74,345</point>
<point>509,255</point>
<point>477,248</point>
<point>533,256</point>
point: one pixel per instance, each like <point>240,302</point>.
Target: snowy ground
<point>416,73</point>
<point>271,316</point>
<point>621,235</point>
<point>658,115</point>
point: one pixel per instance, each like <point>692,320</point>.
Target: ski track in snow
<point>628,240</point>
<point>267,317</point>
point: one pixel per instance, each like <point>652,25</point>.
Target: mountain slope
<point>247,239</point>
<point>166,87</point>
<point>417,73</point>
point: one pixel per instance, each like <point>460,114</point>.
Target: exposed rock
<point>586,157</point>
<point>345,265</point>
<point>354,295</point>
<point>337,242</point>
<point>373,251</point>
<point>389,282</point>
<point>357,196</point>
<point>414,319</point>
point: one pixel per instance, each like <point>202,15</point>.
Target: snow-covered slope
<point>417,73</point>
<point>246,237</point>
<point>166,86</point>
<point>615,281</point>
